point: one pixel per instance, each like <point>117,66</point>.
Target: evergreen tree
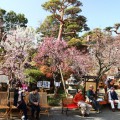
<point>9,20</point>
<point>65,20</point>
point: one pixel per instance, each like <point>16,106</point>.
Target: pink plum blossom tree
<point>60,57</point>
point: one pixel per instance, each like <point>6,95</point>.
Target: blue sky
<point>99,13</point>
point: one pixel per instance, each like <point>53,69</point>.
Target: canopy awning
<point>4,79</point>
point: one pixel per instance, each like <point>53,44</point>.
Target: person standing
<point>34,100</point>
<point>19,101</point>
<point>80,101</point>
<point>92,98</point>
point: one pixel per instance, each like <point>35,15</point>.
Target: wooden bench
<point>68,104</point>
<point>103,102</point>
<point>45,107</point>
<point>13,108</point>
<point>4,104</point>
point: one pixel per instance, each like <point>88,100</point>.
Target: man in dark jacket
<point>92,98</point>
<point>34,100</point>
<point>113,98</point>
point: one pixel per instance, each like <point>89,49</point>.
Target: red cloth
<point>72,106</point>
<point>78,97</point>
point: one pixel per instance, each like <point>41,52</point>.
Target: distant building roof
<point>1,72</point>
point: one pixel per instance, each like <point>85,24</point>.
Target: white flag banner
<point>57,84</point>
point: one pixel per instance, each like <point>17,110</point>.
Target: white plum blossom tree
<point>105,52</point>
<point>16,47</point>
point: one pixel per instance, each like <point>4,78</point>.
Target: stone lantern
<point>71,82</point>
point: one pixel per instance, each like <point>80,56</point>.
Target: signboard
<point>110,77</point>
<point>43,84</point>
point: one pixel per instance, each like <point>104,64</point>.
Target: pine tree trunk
<point>60,32</point>
<point>61,25</point>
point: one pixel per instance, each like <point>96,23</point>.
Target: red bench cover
<point>71,106</point>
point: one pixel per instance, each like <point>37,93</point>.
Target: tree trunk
<point>56,91</point>
<point>60,31</point>
<point>61,25</point>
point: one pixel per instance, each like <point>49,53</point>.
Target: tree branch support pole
<point>63,81</point>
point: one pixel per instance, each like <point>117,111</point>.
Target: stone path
<point>106,114</point>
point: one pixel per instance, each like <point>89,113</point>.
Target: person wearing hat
<point>113,98</point>
<point>80,101</point>
<point>111,83</point>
